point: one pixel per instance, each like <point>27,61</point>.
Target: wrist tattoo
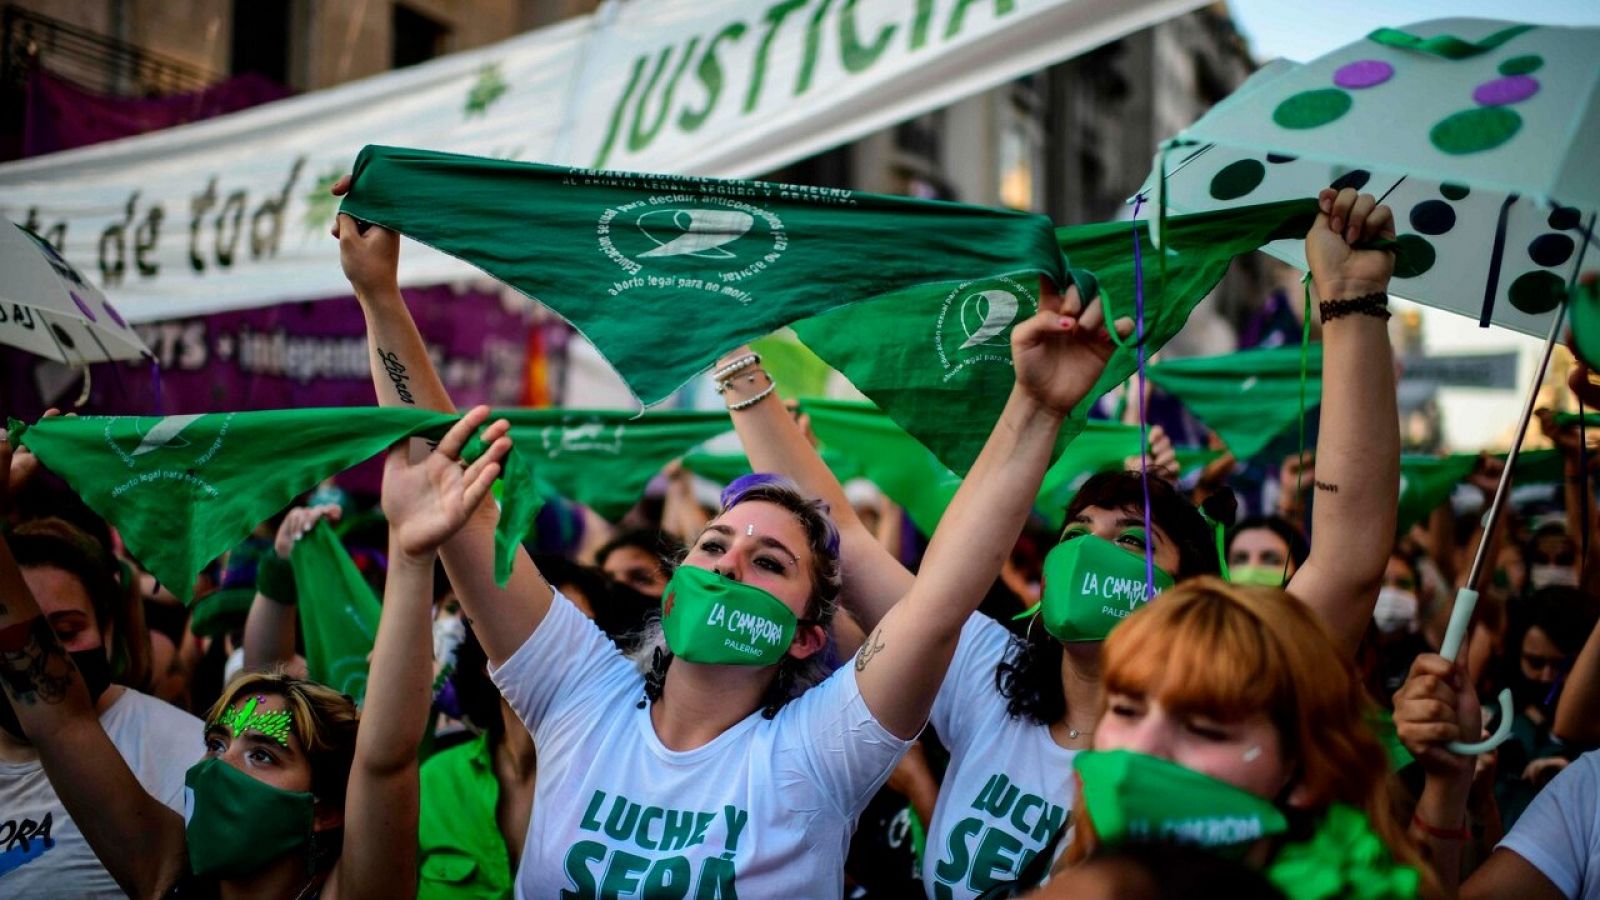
<point>397,374</point>
<point>1325,486</point>
<point>33,664</point>
<point>869,649</point>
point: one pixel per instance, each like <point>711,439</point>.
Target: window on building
<point>260,38</point>
<point>417,37</point>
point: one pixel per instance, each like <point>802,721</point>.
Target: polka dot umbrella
<point>47,308</point>
<point>1478,134</point>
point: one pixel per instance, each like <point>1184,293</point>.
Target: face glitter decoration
<point>271,723</point>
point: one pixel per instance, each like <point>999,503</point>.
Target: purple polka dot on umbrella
<point>82,306</point>
<point>1363,73</point>
<point>112,312</point>
<point>1510,89</point>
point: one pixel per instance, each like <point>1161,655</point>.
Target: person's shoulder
<point>146,713</point>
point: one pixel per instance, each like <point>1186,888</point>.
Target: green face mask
<point>1258,576</point>
<point>1132,798</point>
<point>1090,585</point>
<point>718,621</point>
<point>236,824</point>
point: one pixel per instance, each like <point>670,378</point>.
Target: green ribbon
<point>1446,46</point>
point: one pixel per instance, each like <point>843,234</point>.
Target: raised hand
<point>298,522</point>
<point>428,501</point>
<point>1340,271</point>
<point>1060,351</point>
<point>1435,706</point>
<point>369,254</point>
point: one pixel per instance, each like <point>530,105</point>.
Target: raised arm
<point>1058,354</point>
<point>270,628</point>
<point>425,502</point>
<point>1357,482</point>
<point>138,839</point>
<point>403,374</point>
<point>873,579</point>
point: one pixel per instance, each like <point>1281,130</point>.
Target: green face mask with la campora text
<point>718,621</point>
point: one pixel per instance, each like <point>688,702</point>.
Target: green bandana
<point>338,613</point>
<point>1426,482</point>
<point>604,458</point>
<point>664,272</point>
<point>718,621</point>
<point>1134,798</point>
<point>1344,858</point>
<point>946,375</point>
<point>271,723</point>
<point>724,468</point>
<point>1089,586</point>
<point>1584,317</point>
<point>184,489</point>
<point>1248,398</point>
<point>885,455</point>
<point>236,824</point>
<point>1257,576</point>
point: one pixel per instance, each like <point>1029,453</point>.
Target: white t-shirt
<point>767,807</point>
<point>1009,787</point>
<point>1559,833</point>
<point>42,852</point>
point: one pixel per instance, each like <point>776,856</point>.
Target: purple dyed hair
<point>740,488</point>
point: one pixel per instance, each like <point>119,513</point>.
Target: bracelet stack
<point>727,375</point>
<point>1375,305</point>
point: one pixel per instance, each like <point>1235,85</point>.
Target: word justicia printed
<point>639,850</point>
<point>753,628</point>
<point>1010,827</point>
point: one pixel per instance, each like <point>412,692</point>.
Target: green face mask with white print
<point>715,620</point>
<point>1091,584</point>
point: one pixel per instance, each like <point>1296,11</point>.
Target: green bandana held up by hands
<point>718,621</point>
<point>1090,585</point>
<point>236,824</point>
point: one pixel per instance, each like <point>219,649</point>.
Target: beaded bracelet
<point>1375,304</point>
<point>746,404</point>
<point>743,362</point>
<point>723,385</point>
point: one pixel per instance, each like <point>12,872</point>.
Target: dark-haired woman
<point>1014,712</point>
<point>719,768</point>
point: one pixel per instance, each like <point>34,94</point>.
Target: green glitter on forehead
<point>273,724</point>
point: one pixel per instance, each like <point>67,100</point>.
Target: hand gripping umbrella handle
<point>1454,635</point>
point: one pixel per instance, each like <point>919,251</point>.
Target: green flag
<point>1248,398</point>
<point>338,613</point>
<point>885,455</point>
<point>1427,481</point>
<point>664,272</point>
<point>945,375</point>
<point>184,489</point>
<point>723,468</point>
<point>604,458</point>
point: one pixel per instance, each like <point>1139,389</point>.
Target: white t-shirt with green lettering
<point>1009,788</point>
<point>765,809</point>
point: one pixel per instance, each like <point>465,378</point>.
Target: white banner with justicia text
<point>233,212</point>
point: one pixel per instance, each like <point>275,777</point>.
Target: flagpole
<point>1467,597</point>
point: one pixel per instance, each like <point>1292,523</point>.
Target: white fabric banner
<point>233,212</point>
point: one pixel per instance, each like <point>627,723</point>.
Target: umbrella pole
<point>1467,598</point>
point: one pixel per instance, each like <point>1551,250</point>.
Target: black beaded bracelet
<point>1374,304</point>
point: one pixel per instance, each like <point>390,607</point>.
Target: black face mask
<point>92,665</point>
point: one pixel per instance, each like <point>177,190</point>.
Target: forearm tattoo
<point>869,649</point>
<point>33,664</point>
<point>1325,486</point>
<point>397,374</point>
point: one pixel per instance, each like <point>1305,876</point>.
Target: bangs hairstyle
<point>1229,652</point>
<point>795,676</point>
<point>323,720</point>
